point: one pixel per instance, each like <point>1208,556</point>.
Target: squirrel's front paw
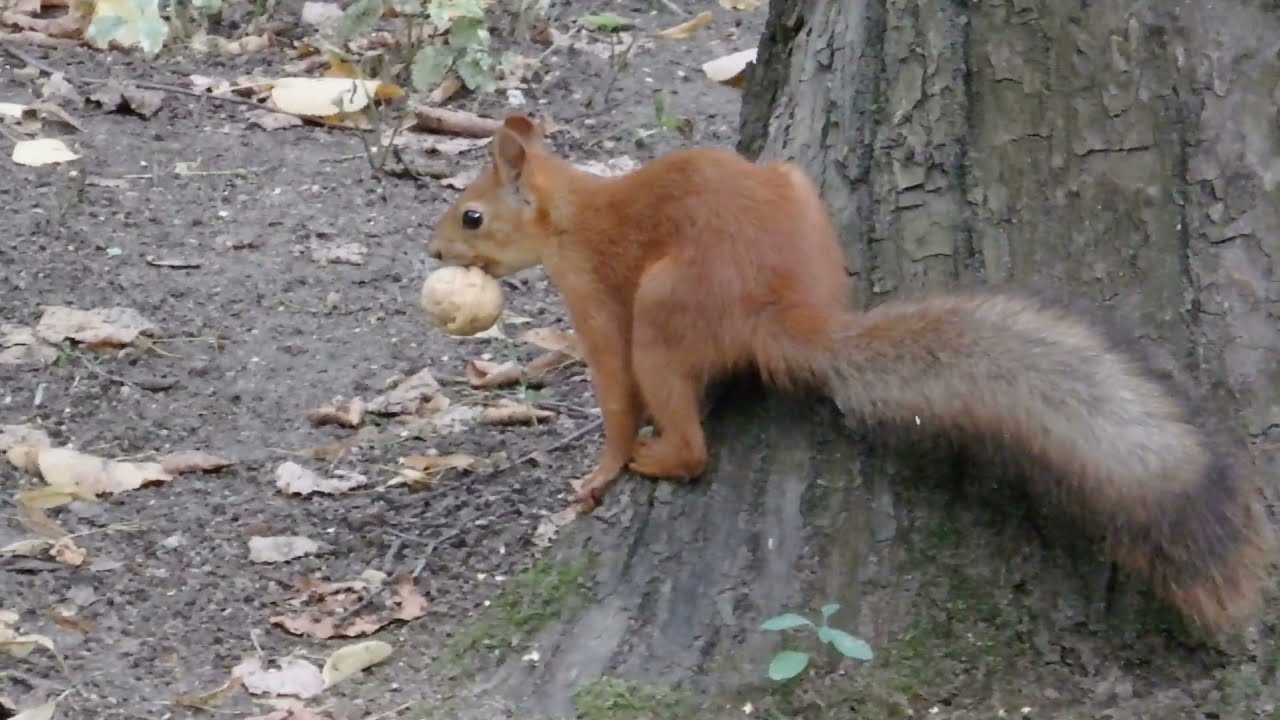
<point>665,459</point>
<point>590,489</point>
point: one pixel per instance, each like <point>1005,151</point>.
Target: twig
<point>391,555</point>
<point>163,87</point>
<point>24,57</point>
<point>550,448</point>
<point>454,122</point>
<point>390,713</point>
<point>426,554</point>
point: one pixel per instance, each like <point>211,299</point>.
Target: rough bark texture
<point>1126,153</point>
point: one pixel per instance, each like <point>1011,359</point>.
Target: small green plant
<point>128,23</point>
<point>790,663</point>
<point>464,47</point>
<point>606,22</point>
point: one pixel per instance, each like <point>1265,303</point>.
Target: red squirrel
<point>702,262</point>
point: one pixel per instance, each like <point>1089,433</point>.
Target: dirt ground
<point>252,337</point>
<point>252,332</point>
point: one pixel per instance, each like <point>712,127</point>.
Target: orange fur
<point>702,262</point>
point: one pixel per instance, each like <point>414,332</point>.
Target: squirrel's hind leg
<point>668,344</point>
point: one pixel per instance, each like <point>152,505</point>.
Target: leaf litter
<point>351,608</point>
<point>282,548</point>
<point>294,479</point>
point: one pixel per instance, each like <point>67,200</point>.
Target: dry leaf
<point>164,262</point>
<point>15,435</point>
<point>32,547</point>
<point>44,151</point>
<point>19,347</point>
<point>247,44</point>
<point>211,698</point>
<point>34,519</point>
<point>691,26</point>
<point>144,103</point>
<point>435,143</point>
<point>282,548</point>
<point>351,659</point>
<point>25,458</point>
<point>351,604</point>
<point>295,479</point>
<point>351,253</point>
<point>295,677</point>
<point>437,463</point>
<point>100,326</point>
<point>746,5</point>
<point>548,362</point>
<point>554,340</point>
<point>337,413</point>
<point>272,120</point>
<point>445,90</point>
<point>46,108</point>
<point>509,412</point>
<point>182,462</point>
<point>320,14</point>
<point>730,70</point>
<point>549,526</point>
<point>407,397</point>
<point>85,474</point>
<point>39,712</point>
<point>66,551</point>
<point>485,374</point>
<point>57,86</point>
<point>322,97</point>
<point>20,646</point>
<point>44,498</point>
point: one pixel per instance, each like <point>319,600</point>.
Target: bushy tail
<point>1119,451</point>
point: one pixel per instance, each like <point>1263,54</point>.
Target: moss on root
<point>546,592</point>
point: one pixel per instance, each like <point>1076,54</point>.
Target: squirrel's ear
<point>509,156</point>
<point>526,129</point>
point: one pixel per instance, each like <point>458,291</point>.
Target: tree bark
<point>1124,152</point>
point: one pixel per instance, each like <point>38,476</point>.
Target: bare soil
<point>259,333</point>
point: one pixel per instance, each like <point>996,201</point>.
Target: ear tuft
<point>524,128</point>
<point>509,155</point>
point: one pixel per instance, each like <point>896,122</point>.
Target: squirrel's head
<point>494,223</point>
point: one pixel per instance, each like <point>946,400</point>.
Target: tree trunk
<point>1119,151</point>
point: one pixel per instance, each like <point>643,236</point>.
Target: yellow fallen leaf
<point>74,471</point>
<point>100,326</point>
<point>688,27</point>
<point>26,548</point>
<point>42,151</point>
<point>509,412</point>
<point>547,362</point>
<point>190,461</point>
<point>35,519</point>
<point>351,659</point>
<point>486,374</point>
<point>730,70</point>
<point>66,551</point>
<point>45,497</point>
<point>39,712</point>
<point>435,463</point>
<point>212,697</point>
<point>552,339</point>
<point>322,97</point>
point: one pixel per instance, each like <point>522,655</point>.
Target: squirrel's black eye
<point>471,219</point>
